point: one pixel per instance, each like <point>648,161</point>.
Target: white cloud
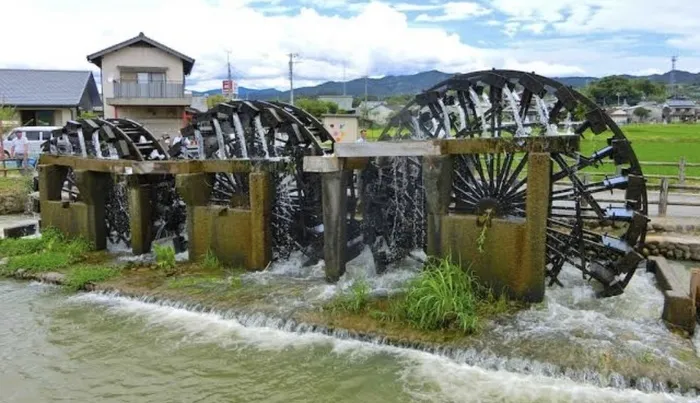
<point>456,11</point>
<point>647,72</point>
<point>570,17</point>
<point>377,40</point>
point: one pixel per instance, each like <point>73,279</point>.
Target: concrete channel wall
<point>236,235</point>
<point>514,256</point>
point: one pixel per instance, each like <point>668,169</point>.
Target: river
<point>94,347</point>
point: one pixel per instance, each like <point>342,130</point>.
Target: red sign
<point>227,86</point>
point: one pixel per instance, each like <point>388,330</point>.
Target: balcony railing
<point>154,89</point>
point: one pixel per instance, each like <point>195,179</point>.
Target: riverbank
<point>618,342</point>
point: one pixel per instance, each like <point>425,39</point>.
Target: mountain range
<point>413,84</point>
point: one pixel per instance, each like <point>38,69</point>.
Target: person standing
<point>20,149</point>
<point>363,136</point>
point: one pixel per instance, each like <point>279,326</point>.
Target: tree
<point>641,113</point>
<point>88,115</point>
<point>7,112</point>
<point>213,100</point>
<point>316,107</point>
<point>609,90</point>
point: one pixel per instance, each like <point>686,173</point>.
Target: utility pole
<point>672,76</point>
<point>292,56</point>
<point>344,78</point>
<point>234,94</point>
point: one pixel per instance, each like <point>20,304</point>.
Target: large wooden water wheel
<point>513,104</point>
<point>120,139</point>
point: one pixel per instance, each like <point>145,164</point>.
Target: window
<point>32,135</point>
<point>144,78</point>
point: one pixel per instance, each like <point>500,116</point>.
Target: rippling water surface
<point>90,347</point>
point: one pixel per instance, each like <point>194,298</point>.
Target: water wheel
<point>120,139</point>
<point>267,131</point>
<point>601,237</point>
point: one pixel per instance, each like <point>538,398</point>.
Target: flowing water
<point>110,348</point>
<point>94,347</point>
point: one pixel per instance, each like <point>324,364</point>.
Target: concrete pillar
<point>140,210</point>
<point>51,178</point>
<point>195,190</point>
<point>261,195</point>
<point>437,181</point>
<point>334,222</point>
<point>94,187</point>
<point>532,272</point>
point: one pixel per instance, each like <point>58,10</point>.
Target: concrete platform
<point>18,225</point>
<point>681,290</point>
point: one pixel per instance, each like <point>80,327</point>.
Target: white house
<point>145,80</point>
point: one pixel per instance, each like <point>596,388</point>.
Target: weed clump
<point>354,301</point>
<point>211,262</point>
<point>446,296</point>
<point>165,258</point>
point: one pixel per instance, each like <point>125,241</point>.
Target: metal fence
<point>154,89</point>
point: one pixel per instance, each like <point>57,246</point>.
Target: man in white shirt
<point>363,136</point>
<point>20,149</point>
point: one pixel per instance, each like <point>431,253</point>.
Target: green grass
<point>354,301</point>
<point>211,262</point>
<point>651,143</point>
<point>39,262</point>
<point>15,184</point>
<point>80,276</point>
<point>443,297</point>
<point>165,257</point>
<point>52,251</point>
<point>446,296</point>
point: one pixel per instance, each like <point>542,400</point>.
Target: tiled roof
<point>46,87</point>
<point>680,103</point>
<point>96,57</point>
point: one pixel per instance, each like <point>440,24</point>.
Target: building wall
<point>344,102</point>
<point>159,120</point>
<point>136,56</point>
<point>346,124</point>
<point>60,116</point>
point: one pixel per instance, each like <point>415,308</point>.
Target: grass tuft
<point>80,276</point>
<point>211,262</point>
<point>354,301</point>
<point>444,297</point>
<point>165,258</point>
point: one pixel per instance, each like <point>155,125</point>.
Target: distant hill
<point>413,84</point>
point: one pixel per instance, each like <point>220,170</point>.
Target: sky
<point>354,38</point>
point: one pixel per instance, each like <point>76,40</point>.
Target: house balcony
<point>155,93</point>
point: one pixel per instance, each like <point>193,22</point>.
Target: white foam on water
<point>573,314</point>
<point>425,376</point>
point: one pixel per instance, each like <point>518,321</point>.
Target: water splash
<point>240,135</point>
<point>428,371</point>
<point>543,113</point>
<point>520,131</point>
<point>479,111</point>
<point>446,120</point>
<point>260,132</point>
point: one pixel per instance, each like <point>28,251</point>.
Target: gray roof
<point>96,57</point>
<point>48,88</point>
<point>680,103</point>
